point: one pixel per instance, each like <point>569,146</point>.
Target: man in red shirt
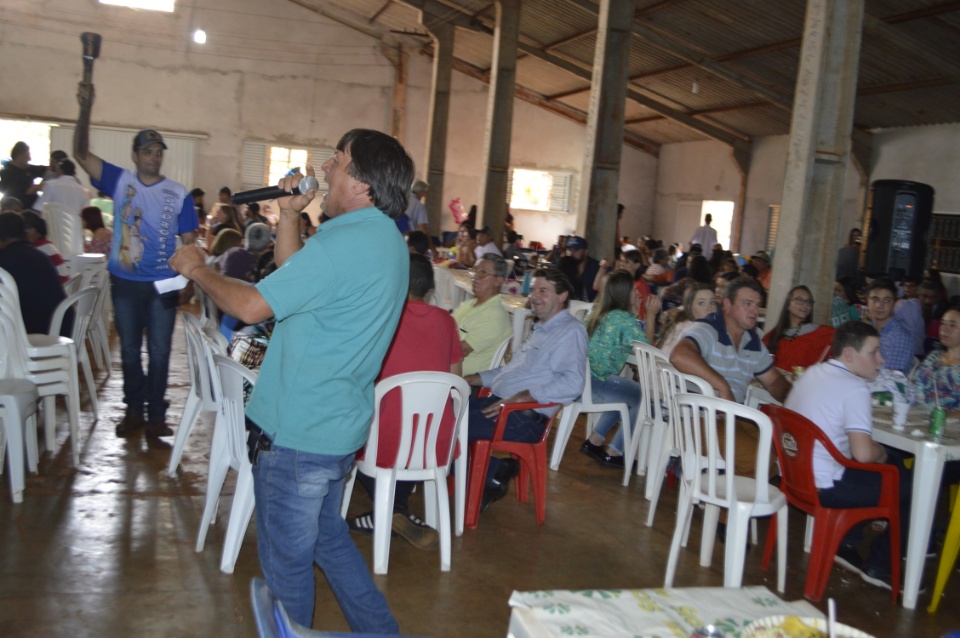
<point>427,339</point>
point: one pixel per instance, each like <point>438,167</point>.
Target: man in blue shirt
<point>151,212</point>
<point>897,343</point>
<point>313,402</point>
<point>549,368</point>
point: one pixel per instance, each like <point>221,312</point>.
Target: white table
<point>615,613</point>
<point>930,456</point>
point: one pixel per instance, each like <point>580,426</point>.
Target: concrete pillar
<point>604,140</point>
<point>503,76</point>
<point>442,32</point>
<point>818,155</point>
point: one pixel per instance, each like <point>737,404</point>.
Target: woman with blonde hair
<point>698,302</point>
<point>613,327</point>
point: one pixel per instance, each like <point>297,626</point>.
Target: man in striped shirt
<point>724,348</point>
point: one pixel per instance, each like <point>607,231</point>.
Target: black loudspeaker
<point>900,215</point>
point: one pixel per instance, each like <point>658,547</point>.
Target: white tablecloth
<point>648,613</point>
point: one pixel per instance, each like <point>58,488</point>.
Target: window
<point>550,191</point>
<point>265,164</point>
<point>773,223</point>
<point>150,5</point>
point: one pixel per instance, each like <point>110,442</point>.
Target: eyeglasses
<point>886,301</point>
<point>480,275</point>
<point>803,301</point>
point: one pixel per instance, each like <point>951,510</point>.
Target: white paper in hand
<point>168,285</point>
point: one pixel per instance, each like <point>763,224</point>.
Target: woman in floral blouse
<point>613,328</point>
<point>939,374</point>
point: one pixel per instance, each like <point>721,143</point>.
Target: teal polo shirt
<point>337,302</point>
<point>737,365</point>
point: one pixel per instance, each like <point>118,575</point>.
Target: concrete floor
<point>107,549</point>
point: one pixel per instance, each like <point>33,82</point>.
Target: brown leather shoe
<point>158,429</point>
<point>131,422</point>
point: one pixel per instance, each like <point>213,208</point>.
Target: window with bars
<point>549,191</point>
<point>773,223</point>
<point>265,163</point>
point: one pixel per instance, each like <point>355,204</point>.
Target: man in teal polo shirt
<point>313,402</point>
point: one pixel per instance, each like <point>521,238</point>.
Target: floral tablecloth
<point>645,613</point>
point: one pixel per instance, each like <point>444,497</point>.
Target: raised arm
<point>92,164</point>
<point>288,224</point>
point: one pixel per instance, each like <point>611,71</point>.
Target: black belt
<point>257,441</point>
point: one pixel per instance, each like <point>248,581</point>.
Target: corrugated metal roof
<point>757,40</point>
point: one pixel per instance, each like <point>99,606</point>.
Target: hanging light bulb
<point>200,36</point>
<point>695,89</point>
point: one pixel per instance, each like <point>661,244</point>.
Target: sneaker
<point>848,557</point>
<point>363,524</point>
<point>415,531</point>
<point>131,422</point>
<point>158,429</point>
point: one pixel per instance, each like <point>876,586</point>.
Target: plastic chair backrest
<point>15,337</point>
<point>580,310</point>
<point>13,365</point>
<point>206,370</point>
<point>795,437</point>
<point>521,327</point>
<point>709,477</point>
<point>424,399</point>
<point>232,375</point>
<point>651,407</point>
<point>500,354</point>
<point>82,303</point>
<point>65,227</point>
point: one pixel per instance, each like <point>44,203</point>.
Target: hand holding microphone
<point>294,191</point>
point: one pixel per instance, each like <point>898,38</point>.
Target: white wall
<point>270,71</point>
<point>705,170</point>
<point>925,154</point>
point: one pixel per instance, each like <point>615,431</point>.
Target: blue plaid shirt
<point>896,346</point>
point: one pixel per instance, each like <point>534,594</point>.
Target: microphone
<point>273,192</point>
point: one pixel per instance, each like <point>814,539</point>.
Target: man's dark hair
<point>739,284</point>
<point>659,255</point>
<point>197,192</point>
<point>696,248</point>
<point>852,334</point>
<point>708,218</point>
<point>380,162</point>
<point>559,280</point>
<point>67,167</point>
<point>226,191</point>
<point>882,283</point>
<point>418,240</point>
<point>254,208</point>
<point>699,270</point>
<point>499,264</point>
<point>34,221</point>
<point>512,236</point>
<point>729,276</point>
<point>18,149</point>
<point>11,227</point>
<point>421,276</point>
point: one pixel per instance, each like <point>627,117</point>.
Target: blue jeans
<point>298,498</point>
<point>137,307</point>
<point>615,389</point>
<point>861,488</point>
<point>525,426</point>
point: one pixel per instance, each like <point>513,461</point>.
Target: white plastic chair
<point>99,331</point>
<point>586,405</point>
<point>209,312</point>
<point>229,450</point>
<point>204,385</point>
<point>83,303</point>
<point>500,354</point>
<point>707,482</point>
<point>651,420</point>
<point>51,363</point>
<point>18,412</point>
<point>65,228</point>
<point>522,325</point>
<point>424,399</point>
<point>580,310</point>
<point>665,442</point>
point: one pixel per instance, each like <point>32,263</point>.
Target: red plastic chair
<point>793,438</point>
<point>532,457</point>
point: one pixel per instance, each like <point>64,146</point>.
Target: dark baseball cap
<point>575,241</point>
<point>147,137</point>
